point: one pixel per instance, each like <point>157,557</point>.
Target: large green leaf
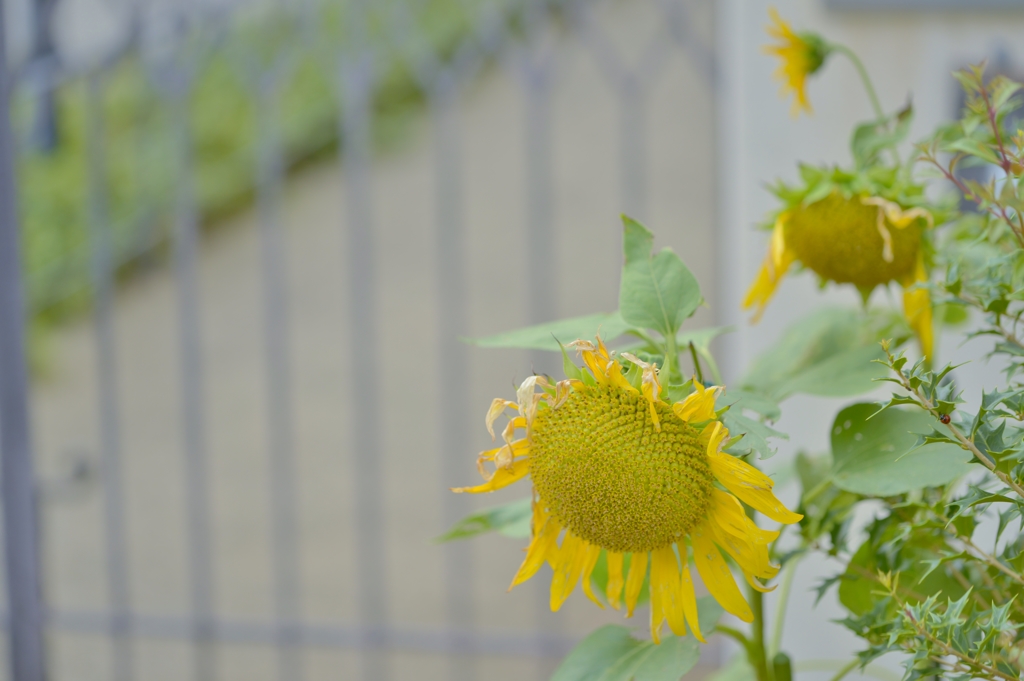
<point>595,654</point>
<point>511,519</point>
<point>657,291</point>
<point>612,654</point>
<point>873,453</point>
<point>546,336</point>
<point>828,353</point>
<point>913,559</point>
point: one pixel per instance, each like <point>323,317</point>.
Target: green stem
<point>816,491</point>
<point>696,363</point>
<point>846,669</point>
<point>780,609</point>
<point>864,77</point>
<point>757,656</point>
<point>671,358</point>
<point>874,670</point>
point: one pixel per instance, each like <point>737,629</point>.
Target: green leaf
<point>667,661</point>
<point>596,653</point>
<point>874,453</point>
<point>742,399</point>
<point>612,654</point>
<point>912,556</point>
<point>755,435</point>
<point>828,353</point>
<point>547,336</point>
<point>657,291</point>
<point>846,373</point>
<point>737,669</point>
<point>511,519</point>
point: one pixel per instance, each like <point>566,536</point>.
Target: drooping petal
<point>592,554</point>
<point>496,409</point>
<point>716,575</point>
<point>776,263</point>
<point>666,598</point>
<point>917,306</point>
<point>615,579</point>
<point>510,429</point>
<point>635,580</point>
<point>502,456</point>
<point>756,585</point>
<point>752,486</point>
<point>544,542</point>
<point>738,536</point>
<point>688,598</point>
<point>592,358</point>
<point>567,566</point>
<point>650,387</point>
<point>503,477</point>
<point>698,406</point>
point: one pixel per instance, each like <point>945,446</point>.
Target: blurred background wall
<point>254,233</point>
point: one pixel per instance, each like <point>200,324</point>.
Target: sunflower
<point>801,53</point>
<point>616,469</point>
<point>866,241</point>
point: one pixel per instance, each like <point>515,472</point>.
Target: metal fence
<point>303,406</point>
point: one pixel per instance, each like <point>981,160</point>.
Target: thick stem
<point>757,654</point>
<point>672,358</point>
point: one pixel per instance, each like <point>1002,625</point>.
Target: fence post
<point>16,476</point>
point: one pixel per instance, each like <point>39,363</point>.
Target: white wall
<point>907,53</point>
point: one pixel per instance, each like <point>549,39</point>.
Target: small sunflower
<point>801,53</point>
<point>866,241</point>
<point>617,469</point>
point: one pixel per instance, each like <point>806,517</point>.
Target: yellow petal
<point>567,566</point>
<point>498,406</point>
<point>503,477</point>
<point>698,405</point>
<point>917,306</point>
<point>545,537</point>
<point>666,596</point>
<point>688,598</point>
<point>737,534</point>
<point>756,585</point>
<point>749,484</point>
<point>615,579</point>
<point>635,581</point>
<point>776,263</point>
<point>716,575</point>
<point>592,554</point>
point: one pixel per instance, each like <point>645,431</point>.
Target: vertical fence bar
<point>106,363</point>
<point>21,547</point>
<point>356,100</point>
<point>632,152</point>
<point>186,247</point>
<point>542,258</point>
<point>454,385</point>
<point>283,511</point>
<point>540,222</point>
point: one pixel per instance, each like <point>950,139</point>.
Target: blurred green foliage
<point>139,158</point>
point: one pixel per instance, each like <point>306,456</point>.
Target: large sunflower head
<point>616,469</point>
<point>801,53</point>
<point>865,228</point>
